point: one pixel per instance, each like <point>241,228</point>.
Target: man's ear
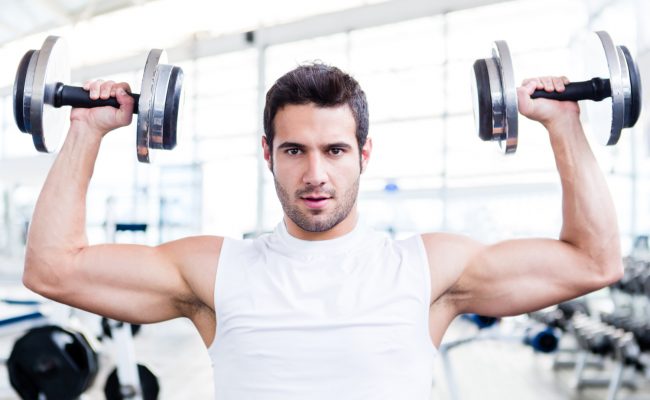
<point>268,156</point>
<point>365,154</point>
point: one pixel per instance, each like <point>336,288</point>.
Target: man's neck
<point>342,228</point>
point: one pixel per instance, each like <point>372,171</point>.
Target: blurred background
<point>429,171</point>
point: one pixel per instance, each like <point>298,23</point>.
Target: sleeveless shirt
<point>339,319</point>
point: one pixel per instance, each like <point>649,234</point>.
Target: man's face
<point>316,167</point>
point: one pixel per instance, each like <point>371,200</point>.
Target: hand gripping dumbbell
<point>495,94</point>
<point>40,93</point>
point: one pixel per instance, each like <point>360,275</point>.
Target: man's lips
<point>315,201</point>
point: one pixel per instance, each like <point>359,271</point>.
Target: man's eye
<point>335,151</point>
<point>293,152</point>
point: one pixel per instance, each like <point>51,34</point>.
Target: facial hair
<point>317,220</point>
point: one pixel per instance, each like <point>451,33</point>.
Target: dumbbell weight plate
<point>602,59</point>
<point>19,89</point>
<point>495,98</point>
<point>609,131</point>
<point>146,104</point>
<point>632,81</point>
<point>45,68</point>
<point>160,101</point>
<point>501,52</point>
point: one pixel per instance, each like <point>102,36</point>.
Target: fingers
<point>100,89</point>
<point>93,88</point>
<point>547,83</point>
<point>112,117</point>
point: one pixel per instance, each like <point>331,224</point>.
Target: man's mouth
<point>315,201</point>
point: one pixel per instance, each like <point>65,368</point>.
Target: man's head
<point>324,86</point>
<point>316,146</point>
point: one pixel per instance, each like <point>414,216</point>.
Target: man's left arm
<point>518,276</point>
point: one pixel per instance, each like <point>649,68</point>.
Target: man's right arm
<point>133,283</point>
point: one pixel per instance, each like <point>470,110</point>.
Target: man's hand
<point>548,112</point>
<point>101,120</point>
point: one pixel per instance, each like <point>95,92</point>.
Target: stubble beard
<point>317,220</point>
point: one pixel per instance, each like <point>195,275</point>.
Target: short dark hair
<point>321,84</point>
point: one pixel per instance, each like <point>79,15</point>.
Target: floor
<point>495,367</point>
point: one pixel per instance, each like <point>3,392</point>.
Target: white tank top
<point>337,319</point>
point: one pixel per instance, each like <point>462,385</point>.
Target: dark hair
<point>323,85</point>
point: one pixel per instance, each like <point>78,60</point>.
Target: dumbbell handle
<point>595,89</point>
<point>76,96</point>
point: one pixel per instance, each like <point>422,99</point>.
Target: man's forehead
<point>310,111</point>
<point>311,124</point>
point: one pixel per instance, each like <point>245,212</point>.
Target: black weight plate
<point>19,90</point>
<point>632,113</point>
<point>172,105</point>
<point>52,362</point>
<point>148,380</point>
<point>483,101</point>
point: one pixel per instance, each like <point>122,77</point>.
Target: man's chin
<point>315,224</point>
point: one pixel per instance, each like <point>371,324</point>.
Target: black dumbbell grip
<point>595,89</point>
<point>78,97</point>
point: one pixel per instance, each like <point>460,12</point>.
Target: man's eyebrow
<point>290,145</point>
<point>342,145</point>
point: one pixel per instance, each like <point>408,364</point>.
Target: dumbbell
<point>39,94</point>
<point>481,321</point>
<point>626,349</point>
<point>543,339</point>
<point>495,94</point>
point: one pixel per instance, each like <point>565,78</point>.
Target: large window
<point>429,171</point>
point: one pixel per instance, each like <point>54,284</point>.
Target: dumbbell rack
<point>491,329</point>
<point>618,339</point>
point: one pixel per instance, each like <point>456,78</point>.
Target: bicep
<point>135,283</point>
<point>518,276</point>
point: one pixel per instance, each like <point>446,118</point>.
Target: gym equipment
<point>18,315</point>
<point>39,93</point>
<point>148,381</point>
<point>106,327</point>
<point>542,339</point>
<point>489,329</point>
<point>495,94</point>
<point>481,321</point>
<point>129,380</point>
<point>50,362</point>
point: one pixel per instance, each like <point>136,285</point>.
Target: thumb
<point>524,102</point>
<point>127,102</point>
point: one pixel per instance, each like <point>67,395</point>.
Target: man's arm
<point>132,283</point>
<point>518,276</point>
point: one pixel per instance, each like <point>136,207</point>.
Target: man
<point>323,307</point>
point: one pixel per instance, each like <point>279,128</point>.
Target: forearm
<point>57,230</point>
<point>589,216</point>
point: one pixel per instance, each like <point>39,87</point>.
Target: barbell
<point>39,94</point>
<point>495,94</point>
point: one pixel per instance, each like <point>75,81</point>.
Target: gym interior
<point>429,171</point>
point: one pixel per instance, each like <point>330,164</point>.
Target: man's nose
<point>316,173</point>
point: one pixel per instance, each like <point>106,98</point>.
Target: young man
<point>323,307</point>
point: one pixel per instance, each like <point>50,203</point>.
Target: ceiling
<point>21,18</point>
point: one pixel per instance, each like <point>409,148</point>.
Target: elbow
<point>611,272</point>
<point>45,276</point>
<point>32,271</point>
